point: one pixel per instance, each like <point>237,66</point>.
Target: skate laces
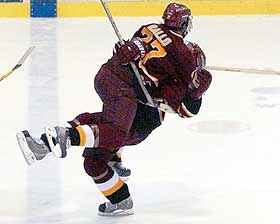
<point>63,137</point>
<point>68,142</point>
<point>110,206</point>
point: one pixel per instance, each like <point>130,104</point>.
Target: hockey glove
<point>130,51</point>
<point>198,54</point>
<point>201,80</point>
<point>189,107</point>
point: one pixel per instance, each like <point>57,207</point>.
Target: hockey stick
<point>136,72</point>
<point>245,70</point>
<point>23,58</point>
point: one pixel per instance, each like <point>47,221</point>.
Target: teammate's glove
<point>201,80</point>
<point>189,107</point>
<point>184,112</point>
<point>130,51</point>
<point>198,54</point>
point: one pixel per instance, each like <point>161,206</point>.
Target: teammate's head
<point>178,17</point>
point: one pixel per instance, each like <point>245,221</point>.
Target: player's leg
<point>146,120</point>
<point>110,184</point>
<point>111,126</point>
<point>119,109</point>
<point>116,162</point>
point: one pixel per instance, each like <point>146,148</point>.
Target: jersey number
<point>159,50</point>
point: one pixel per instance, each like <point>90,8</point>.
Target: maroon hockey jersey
<point>168,63</point>
<point>167,66</point>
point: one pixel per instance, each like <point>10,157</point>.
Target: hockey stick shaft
<point>134,68</point>
<point>245,70</point>
<point>20,62</point>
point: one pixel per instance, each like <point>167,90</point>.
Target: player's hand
<point>201,80</point>
<point>198,54</point>
<point>184,112</point>
<point>131,50</point>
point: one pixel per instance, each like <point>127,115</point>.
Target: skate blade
<point>117,213</point>
<point>51,133</point>
<point>27,153</point>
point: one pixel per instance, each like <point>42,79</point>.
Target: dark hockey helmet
<point>178,17</point>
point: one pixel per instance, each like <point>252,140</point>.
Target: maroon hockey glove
<point>201,80</point>
<point>189,107</point>
<point>184,112</point>
<point>130,51</point>
<point>198,54</point>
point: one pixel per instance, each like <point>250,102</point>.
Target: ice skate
<point>59,140</point>
<point>33,149</point>
<point>122,208</point>
<point>123,172</point>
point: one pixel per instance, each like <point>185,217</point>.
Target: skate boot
<point>33,149</point>
<point>123,172</point>
<point>122,208</point>
<point>59,140</point>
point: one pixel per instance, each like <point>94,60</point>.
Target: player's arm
<point>197,53</point>
<point>132,50</point>
<point>190,105</point>
<point>185,101</point>
<point>171,97</point>
<point>181,104</point>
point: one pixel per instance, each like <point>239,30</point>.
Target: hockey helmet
<point>178,17</point>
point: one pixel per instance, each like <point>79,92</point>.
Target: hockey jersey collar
<point>176,34</point>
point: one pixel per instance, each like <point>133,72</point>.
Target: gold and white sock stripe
<point>89,135</point>
<point>111,185</point>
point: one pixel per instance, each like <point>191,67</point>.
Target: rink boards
<point>148,8</point>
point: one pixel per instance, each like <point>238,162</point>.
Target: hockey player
<point>174,75</point>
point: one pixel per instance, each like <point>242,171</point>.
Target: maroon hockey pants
<point>118,112</point>
<point>114,124</point>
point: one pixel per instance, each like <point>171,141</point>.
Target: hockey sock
<point>44,139</point>
<point>114,189</point>
<point>116,158</point>
<point>106,179</point>
<point>74,136</point>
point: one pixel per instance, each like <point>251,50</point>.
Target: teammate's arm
<point>201,80</point>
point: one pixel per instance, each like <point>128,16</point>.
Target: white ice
<point>221,167</point>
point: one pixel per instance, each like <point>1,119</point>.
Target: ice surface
<point>219,167</point>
